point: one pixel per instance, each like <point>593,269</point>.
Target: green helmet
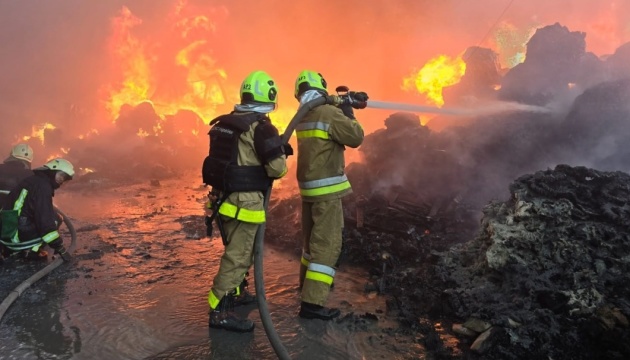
<point>259,87</point>
<point>309,80</point>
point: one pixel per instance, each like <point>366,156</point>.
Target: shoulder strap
<point>240,122</point>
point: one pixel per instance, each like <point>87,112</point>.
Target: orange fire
<point>38,132</point>
<point>134,65</point>
<point>436,74</point>
<point>88,134</point>
<point>179,74</point>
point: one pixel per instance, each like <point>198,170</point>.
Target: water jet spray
<point>486,109</point>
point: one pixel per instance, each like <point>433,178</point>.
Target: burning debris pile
<point>143,144</point>
<point>545,277</point>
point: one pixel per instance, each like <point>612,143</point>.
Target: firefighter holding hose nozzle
<point>246,154</point>
<point>322,136</point>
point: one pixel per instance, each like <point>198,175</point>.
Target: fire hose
<point>263,308</point>
<point>13,295</point>
<point>259,281</point>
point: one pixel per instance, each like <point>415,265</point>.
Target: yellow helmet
<point>309,80</point>
<point>259,87</point>
<point>22,152</point>
<point>59,164</point>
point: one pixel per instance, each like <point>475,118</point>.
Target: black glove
<point>288,149</point>
<point>347,110</point>
<point>359,99</point>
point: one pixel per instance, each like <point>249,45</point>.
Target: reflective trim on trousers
<point>213,300</point>
<point>326,189</point>
<point>322,182</point>
<point>321,273</point>
<point>250,216</point>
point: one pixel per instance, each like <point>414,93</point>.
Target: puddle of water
<point>143,295</point>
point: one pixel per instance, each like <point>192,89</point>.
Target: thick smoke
<point>473,162</point>
<point>59,67</point>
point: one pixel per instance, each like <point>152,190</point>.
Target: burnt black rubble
<point>547,270</point>
<point>413,220</point>
<point>549,267</point>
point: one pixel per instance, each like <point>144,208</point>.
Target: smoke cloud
<point>64,61</point>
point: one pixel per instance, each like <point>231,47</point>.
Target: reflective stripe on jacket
<point>32,199</point>
<point>322,136</point>
<point>248,206</point>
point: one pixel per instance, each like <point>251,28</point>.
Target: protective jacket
<point>322,136</point>
<point>11,173</point>
<point>28,216</point>
<point>245,155</point>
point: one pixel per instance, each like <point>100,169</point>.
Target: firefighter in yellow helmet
<point>15,168</point>
<point>322,136</point>
<point>29,220</point>
<point>246,154</point>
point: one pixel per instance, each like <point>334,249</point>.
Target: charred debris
<point>511,231</point>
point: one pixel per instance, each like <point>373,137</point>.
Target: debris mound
<point>549,269</point>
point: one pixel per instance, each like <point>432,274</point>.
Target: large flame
<point>133,63</point>
<point>436,74</point>
<point>178,74</point>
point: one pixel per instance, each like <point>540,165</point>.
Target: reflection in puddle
<point>138,286</point>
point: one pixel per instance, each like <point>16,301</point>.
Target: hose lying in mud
<point>4,306</point>
<point>263,309</point>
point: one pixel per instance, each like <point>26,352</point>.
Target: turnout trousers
<point>322,224</point>
<point>236,260</point>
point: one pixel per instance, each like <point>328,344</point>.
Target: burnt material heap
<point>549,270</point>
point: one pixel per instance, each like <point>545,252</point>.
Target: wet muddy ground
<point>137,287</point>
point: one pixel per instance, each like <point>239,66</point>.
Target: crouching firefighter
<point>246,154</point>
<point>28,218</point>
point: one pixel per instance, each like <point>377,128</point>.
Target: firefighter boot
<point>223,317</point>
<point>243,296</point>
<point>312,311</point>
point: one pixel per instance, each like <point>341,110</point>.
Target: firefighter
<point>322,136</point>
<point>15,168</point>
<point>246,154</point>
<point>29,220</point>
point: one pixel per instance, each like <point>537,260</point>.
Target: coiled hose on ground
<point>13,295</point>
<point>263,309</point>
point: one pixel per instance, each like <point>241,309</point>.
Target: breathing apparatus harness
<point>220,168</point>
